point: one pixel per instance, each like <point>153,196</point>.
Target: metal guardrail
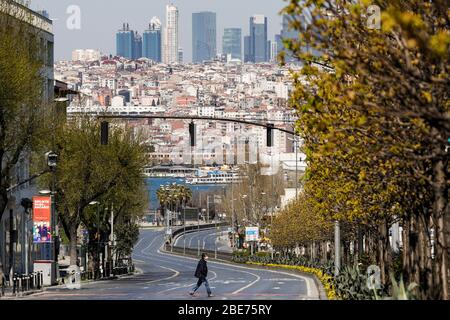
<point>197,252</point>
<point>193,228</point>
<point>220,255</point>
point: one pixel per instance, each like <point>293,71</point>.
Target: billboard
<point>251,234</point>
<point>42,213</point>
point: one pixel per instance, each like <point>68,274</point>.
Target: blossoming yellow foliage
<point>325,279</point>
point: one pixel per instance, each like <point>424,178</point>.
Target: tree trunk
<point>383,251</point>
<point>73,243</point>
<point>439,217</point>
<point>413,245</point>
<point>406,265</point>
<point>360,249</point>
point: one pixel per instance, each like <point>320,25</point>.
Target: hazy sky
<point>100,20</point>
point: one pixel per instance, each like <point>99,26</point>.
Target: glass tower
<point>247,53</point>
<point>124,42</point>
<point>204,36</point>
<point>152,41</point>
<point>137,46</point>
<point>232,43</point>
<point>259,52</point>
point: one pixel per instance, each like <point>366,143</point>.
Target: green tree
<point>173,197</point>
<point>88,171</point>
<point>127,236</point>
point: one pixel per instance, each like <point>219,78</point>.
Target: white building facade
<point>170,47</point>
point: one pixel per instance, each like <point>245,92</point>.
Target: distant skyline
<point>101,19</point>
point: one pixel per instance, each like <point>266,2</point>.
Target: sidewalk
<point>10,296</point>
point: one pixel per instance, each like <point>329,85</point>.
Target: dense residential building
<point>258,50</point>
<point>204,36</point>
<point>171,33</point>
<point>214,89</point>
<point>232,43</point>
<point>152,46</point>
<point>86,55</point>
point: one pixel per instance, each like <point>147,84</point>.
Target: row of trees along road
<point>109,175</point>
<point>375,129</point>
<point>254,197</point>
<point>173,197</point>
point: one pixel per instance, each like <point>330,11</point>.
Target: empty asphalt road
<point>163,276</point>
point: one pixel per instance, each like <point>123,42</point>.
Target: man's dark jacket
<point>202,269</point>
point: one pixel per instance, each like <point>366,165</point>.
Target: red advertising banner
<point>42,212</point>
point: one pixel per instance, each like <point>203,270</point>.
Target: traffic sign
<point>251,234</point>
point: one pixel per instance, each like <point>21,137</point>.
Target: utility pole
<point>98,232</point>
<point>337,248</point>
<point>207,208</point>
<point>184,229</point>
<point>112,238</point>
<point>11,243</point>
<point>296,167</point>
<point>273,195</point>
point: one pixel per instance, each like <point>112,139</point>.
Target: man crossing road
<point>201,273</point>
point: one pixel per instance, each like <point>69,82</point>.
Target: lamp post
<point>184,228</point>
<point>337,248</point>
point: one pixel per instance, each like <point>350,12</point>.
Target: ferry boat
<point>215,177</point>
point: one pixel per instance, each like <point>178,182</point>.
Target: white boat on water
<point>215,177</point>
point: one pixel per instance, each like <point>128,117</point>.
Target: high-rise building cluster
<point>161,44</point>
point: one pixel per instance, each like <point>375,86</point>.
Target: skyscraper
<point>258,39</point>
<point>247,50</point>
<point>180,55</point>
<point>274,51</point>
<point>137,46</point>
<point>152,41</point>
<point>124,42</point>
<point>279,42</point>
<point>170,52</point>
<point>288,33</point>
<point>128,43</point>
<point>204,36</point>
<point>232,43</point>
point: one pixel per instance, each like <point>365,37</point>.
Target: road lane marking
<point>188,285</point>
<point>249,285</point>
<point>309,281</point>
<point>176,259</point>
<point>168,278</point>
<point>143,250</point>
